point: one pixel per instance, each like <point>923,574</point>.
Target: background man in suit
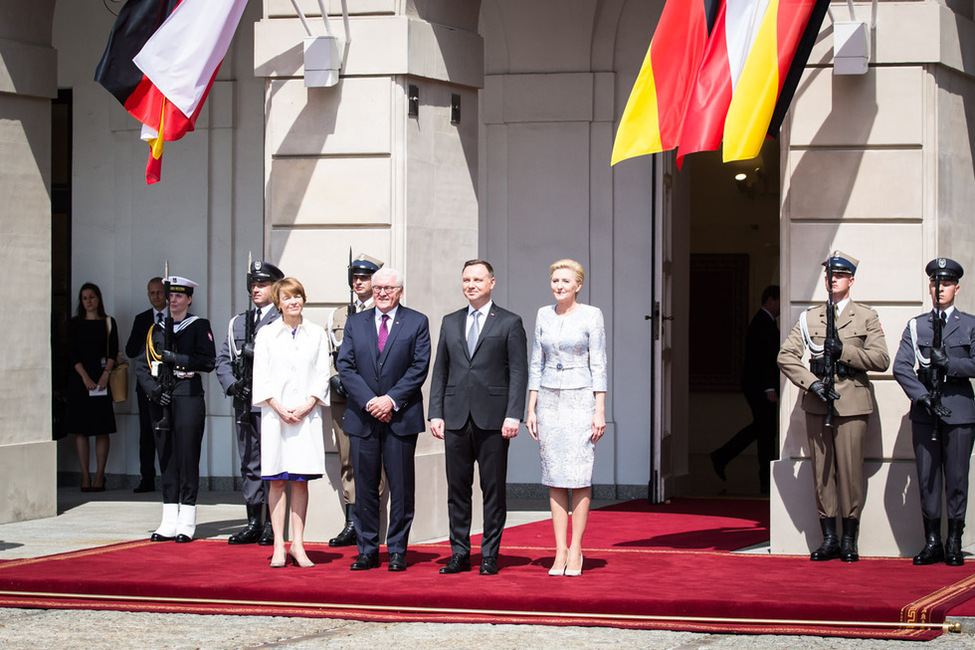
<point>133,348</point>
<point>760,384</point>
<point>945,454</point>
<point>477,400</point>
<point>837,451</point>
<point>260,278</point>
<point>360,282</point>
<point>383,362</point>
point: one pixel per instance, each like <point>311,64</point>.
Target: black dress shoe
<point>397,562</point>
<point>145,486</point>
<point>489,566</point>
<point>156,537</point>
<point>183,539</point>
<point>346,537</point>
<point>267,536</point>
<point>456,564</point>
<point>718,465</point>
<point>364,562</point>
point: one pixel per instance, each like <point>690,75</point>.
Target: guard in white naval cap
<point>169,372</point>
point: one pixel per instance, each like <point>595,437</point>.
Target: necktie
<point>944,320</point>
<point>257,317</point>
<point>360,307</point>
<point>159,318</point>
<point>383,332</point>
<point>472,333</point>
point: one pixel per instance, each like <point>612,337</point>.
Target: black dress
<point>87,415</point>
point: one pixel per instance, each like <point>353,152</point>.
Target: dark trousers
<point>943,462</point>
<point>761,431</point>
<point>179,449</point>
<point>489,449</point>
<point>147,442</point>
<point>370,456</point>
<point>249,450</point>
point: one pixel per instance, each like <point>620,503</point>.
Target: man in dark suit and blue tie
<point>384,359</point>
<point>477,400</point>
<point>134,347</point>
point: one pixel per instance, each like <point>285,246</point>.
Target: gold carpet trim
<point>649,618</point>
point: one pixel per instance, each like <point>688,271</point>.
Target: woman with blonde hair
<point>291,370</point>
<point>567,406</point>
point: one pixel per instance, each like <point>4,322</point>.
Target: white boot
<point>186,525</point>
<point>167,528</point>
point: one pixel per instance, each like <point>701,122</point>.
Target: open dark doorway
<point>60,252</point>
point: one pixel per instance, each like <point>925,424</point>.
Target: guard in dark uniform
<point>236,382</point>
<point>178,445</point>
<point>942,450</point>
<point>360,283</point>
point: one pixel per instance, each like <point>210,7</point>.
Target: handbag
<point>118,376</point>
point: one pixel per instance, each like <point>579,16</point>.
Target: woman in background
<point>567,406</point>
<point>92,349</point>
<point>291,371</point>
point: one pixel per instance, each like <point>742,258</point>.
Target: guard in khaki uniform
<point>360,282</point>
<point>837,451</point>
<point>942,450</point>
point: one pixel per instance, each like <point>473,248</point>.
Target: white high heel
<point>558,571</point>
<point>574,573</point>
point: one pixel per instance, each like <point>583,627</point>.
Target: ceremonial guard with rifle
<point>169,372</point>
<point>235,366</point>
<point>941,344</point>
<point>360,299</point>
<point>844,340</point>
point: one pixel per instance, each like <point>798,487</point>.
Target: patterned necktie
<point>383,332</point>
<point>472,333</point>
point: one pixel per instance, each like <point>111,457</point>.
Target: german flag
<point>771,74</point>
<point>653,115</point>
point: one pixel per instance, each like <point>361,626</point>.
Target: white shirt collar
<point>841,305</point>
<point>392,317</point>
<point>485,310</point>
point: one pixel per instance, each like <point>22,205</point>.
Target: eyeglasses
<point>387,290</point>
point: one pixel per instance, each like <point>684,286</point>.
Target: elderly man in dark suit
<point>477,400</point>
<point>384,359</point>
<point>760,385</point>
<point>133,349</point>
<point>943,426</point>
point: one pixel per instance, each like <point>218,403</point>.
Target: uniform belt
<point>925,376</point>
<point>843,371</point>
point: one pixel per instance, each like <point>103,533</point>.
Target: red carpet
<point>646,567</point>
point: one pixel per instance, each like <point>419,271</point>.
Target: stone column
<point>28,82</point>
<point>881,167</point>
<point>348,166</point>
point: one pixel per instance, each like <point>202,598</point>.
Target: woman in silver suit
<point>567,406</point>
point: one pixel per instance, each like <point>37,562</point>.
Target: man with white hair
<point>384,359</point>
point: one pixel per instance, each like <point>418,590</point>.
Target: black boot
<point>933,551</point>
<point>347,536</point>
<point>830,549</point>
<point>953,554</point>
<point>252,532</point>
<point>267,535</point>
<point>848,543</point>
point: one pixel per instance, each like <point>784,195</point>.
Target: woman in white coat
<point>291,369</point>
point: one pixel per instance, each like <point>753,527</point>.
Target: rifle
<point>937,374</point>
<point>829,381</point>
<point>351,308</point>
<point>165,373</point>
<point>243,366</point>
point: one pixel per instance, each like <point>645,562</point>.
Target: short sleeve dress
<point>568,365</point>
<point>89,342</point>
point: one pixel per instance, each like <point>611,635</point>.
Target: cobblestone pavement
<point>120,516</point>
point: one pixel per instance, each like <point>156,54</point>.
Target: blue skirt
<point>287,476</point>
